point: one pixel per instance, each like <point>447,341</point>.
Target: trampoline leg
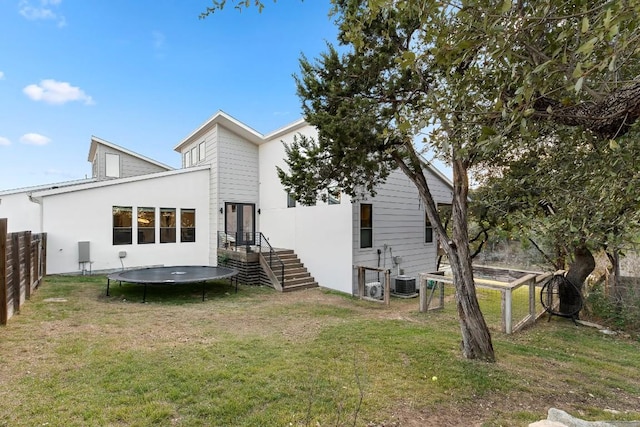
<point>144,296</point>
<point>108,287</point>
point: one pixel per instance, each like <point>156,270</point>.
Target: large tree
<point>484,78</point>
<point>570,195</point>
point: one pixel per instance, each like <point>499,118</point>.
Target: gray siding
<point>399,227</point>
<point>129,165</point>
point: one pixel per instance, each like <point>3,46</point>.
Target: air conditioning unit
<point>405,285</point>
<point>373,290</point>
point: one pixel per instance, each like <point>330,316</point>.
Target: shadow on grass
<point>174,294</point>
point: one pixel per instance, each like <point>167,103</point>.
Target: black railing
<point>253,242</point>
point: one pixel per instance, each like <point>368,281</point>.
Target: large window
<point>187,225</point>
<point>366,225</point>
<point>146,225</point>
<point>122,225</point>
<point>167,225</point>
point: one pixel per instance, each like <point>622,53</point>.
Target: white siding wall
<point>399,227</point>
<point>321,235</point>
<point>210,138</point>
<point>237,171</point>
<point>21,214</point>
<point>86,215</point>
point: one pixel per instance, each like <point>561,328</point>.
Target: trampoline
<point>173,276</point>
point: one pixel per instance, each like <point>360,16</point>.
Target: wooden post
<point>27,261</point>
<point>506,313</point>
<point>3,271</point>
<point>387,287</point>
<point>423,294</point>
<point>532,300</point>
<point>15,271</point>
<point>360,282</point>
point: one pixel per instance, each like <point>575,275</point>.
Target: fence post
<point>15,271</point>
<point>27,267</point>
<point>3,271</point>
<point>506,311</point>
<point>423,293</point>
<point>387,287</point>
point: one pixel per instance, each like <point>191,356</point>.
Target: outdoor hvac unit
<point>373,290</point>
<point>405,285</point>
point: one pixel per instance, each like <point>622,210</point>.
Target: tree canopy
<point>482,82</point>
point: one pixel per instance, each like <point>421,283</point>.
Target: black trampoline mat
<point>176,274</point>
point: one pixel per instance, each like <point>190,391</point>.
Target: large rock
<point>559,418</point>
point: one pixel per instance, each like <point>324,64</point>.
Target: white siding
<point>86,215</point>
<point>237,171</point>
<point>321,235</point>
<point>21,213</point>
<point>399,226</point>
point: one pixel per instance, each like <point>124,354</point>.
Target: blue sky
<point>142,75</point>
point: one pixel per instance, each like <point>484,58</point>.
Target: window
<point>112,165</point>
<point>194,156</point>
<point>187,159</point>
<point>122,216</point>
<point>167,225</point>
<point>201,148</point>
<point>291,201</point>
<point>366,225</point>
<point>187,225</point>
<point>428,230</point>
<point>333,196</point>
<point>146,225</point>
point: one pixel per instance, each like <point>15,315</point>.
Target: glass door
<point>240,222</point>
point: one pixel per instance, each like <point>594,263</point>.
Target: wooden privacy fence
<point>22,267</point>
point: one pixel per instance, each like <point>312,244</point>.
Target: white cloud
<point>4,141</point>
<point>34,139</point>
<point>55,92</point>
<point>1,75</point>
<point>42,10</point>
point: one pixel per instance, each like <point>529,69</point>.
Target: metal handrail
<point>274,258</point>
<point>230,241</point>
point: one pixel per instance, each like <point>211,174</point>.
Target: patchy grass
<point>261,358</point>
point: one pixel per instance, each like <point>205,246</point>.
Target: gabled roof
<point>225,120</point>
<point>291,127</point>
<point>95,141</point>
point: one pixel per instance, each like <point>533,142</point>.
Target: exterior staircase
<point>296,276</point>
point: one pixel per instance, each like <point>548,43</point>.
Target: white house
<point>137,212</point>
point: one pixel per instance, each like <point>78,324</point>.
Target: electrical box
<point>405,285</point>
<point>84,252</point>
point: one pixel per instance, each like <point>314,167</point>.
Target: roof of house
<point>51,191</point>
<point>95,141</point>
<point>223,119</point>
<point>48,186</point>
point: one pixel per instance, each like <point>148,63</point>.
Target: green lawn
<point>261,358</point>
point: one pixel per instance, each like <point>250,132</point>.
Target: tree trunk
<point>571,295</point>
<point>476,338</point>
